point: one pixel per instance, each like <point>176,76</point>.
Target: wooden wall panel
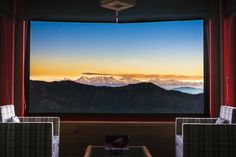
<point>76,136</point>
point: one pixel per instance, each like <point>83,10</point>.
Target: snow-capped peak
<point>106,81</point>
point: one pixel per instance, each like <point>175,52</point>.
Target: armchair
<point>203,137</point>
<point>31,137</point>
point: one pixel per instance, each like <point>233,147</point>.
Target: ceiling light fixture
<point>117,5</point>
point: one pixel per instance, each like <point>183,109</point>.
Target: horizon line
<point>148,76</point>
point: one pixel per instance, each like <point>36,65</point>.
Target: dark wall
<point>5,7</point>
<point>158,137</point>
<point>231,7</point>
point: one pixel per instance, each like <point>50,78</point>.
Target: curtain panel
<point>214,53</point>
<point>6,60</point>
<point>229,60</point>
<point>19,62</point>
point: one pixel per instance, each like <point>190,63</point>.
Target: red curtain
<point>221,40</point>
<point>214,54</point>
<point>229,60</point>
<point>221,32</point>
<point>20,44</point>
<point>210,36</point>
<point>6,60</point>
<point>12,52</point>
<point>19,94</point>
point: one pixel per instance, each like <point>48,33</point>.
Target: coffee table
<point>134,151</point>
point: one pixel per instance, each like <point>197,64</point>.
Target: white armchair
<point>31,137</point>
<point>203,137</point>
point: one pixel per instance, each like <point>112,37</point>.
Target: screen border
<point>119,116</point>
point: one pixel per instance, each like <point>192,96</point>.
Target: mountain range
<point>113,82</point>
<point>189,90</point>
<point>193,87</point>
<point>106,81</point>
<point>73,97</point>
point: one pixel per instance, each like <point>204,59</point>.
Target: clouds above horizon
<point>147,76</point>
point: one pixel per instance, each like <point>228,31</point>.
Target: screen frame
<point>119,116</point>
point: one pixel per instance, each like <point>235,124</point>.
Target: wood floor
<point>159,137</point>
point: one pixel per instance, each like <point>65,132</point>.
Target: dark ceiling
<point>90,10</point>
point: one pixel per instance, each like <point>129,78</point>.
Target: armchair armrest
<point>54,120</point>
<point>180,121</point>
<point>26,139</point>
<point>209,140</point>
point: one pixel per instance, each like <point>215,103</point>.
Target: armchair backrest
<point>6,112</point>
<point>228,113</point>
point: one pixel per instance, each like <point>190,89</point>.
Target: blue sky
<point>69,48</point>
